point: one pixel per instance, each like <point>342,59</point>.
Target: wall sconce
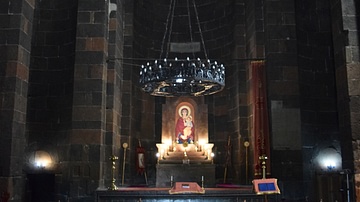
<point>212,157</point>
<point>330,165</point>
<point>42,160</point>
<point>158,156</point>
<point>329,160</point>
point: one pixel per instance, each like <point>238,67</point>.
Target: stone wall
<point>319,121</point>
<point>15,47</point>
<point>345,32</point>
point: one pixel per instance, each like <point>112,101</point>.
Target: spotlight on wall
<point>330,164</point>
<point>329,160</point>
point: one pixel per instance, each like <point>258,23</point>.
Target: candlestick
<point>171,180</point>
<point>113,158</point>
<point>202,181</point>
<point>263,159</point>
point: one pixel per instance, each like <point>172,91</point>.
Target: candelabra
<point>263,159</point>
<point>113,158</point>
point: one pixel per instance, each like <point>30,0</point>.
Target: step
<point>190,153</point>
<point>184,161</point>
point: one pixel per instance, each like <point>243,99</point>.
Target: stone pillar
<point>129,130</point>
<point>15,50</point>
<point>114,84</point>
<point>283,92</point>
<point>237,104</point>
<point>348,70</point>
<point>85,158</point>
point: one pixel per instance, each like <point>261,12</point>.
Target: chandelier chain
<point>190,27</point>
<point>169,17</point>
<point>201,35</point>
<point>171,26</point>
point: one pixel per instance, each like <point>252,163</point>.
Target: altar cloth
<point>186,188</point>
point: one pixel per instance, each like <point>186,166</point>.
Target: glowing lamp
<point>42,159</point>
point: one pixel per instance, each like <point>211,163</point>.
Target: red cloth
<point>260,130</point>
<point>186,187</point>
<point>5,196</point>
<point>140,160</point>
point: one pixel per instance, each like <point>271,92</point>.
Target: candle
<point>171,178</point>
<point>202,178</point>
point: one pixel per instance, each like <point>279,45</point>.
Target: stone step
<point>190,153</point>
<point>180,158</point>
<point>193,158</point>
<point>185,161</point>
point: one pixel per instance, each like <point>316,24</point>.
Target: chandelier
<point>190,76</point>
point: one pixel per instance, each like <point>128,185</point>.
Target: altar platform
<point>163,194</point>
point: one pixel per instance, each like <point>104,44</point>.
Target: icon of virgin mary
<point>185,129</point>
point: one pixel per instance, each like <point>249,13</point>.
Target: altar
<point>144,194</point>
<point>185,153</point>
<point>189,164</point>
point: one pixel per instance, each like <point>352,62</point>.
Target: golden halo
<point>184,107</point>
